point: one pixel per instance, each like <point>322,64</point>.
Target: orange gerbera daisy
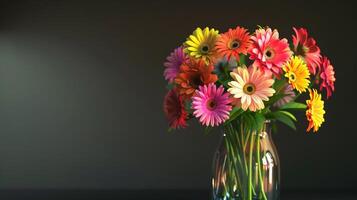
<point>233,42</point>
<point>192,75</point>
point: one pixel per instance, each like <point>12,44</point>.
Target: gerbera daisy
<point>306,48</point>
<point>297,73</point>
<point>175,110</point>
<point>201,44</point>
<point>211,105</point>
<point>252,87</point>
<point>315,110</point>
<point>268,51</point>
<point>233,42</point>
<point>328,76</point>
<point>173,63</point>
<point>193,74</point>
<point>289,93</point>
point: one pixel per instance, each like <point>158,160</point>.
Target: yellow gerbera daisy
<point>201,44</point>
<point>315,110</point>
<point>297,73</point>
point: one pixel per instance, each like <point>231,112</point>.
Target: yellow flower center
<point>249,88</point>
<point>211,104</point>
<point>234,44</point>
<point>204,49</point>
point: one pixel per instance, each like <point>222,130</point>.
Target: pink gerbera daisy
<point>211,105</point>
<point>252,87</point>
<point>328,76</point>
<point>173,63</point>
<point>306,48</point>
<point>268,51</point>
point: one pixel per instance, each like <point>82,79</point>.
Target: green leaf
<point>234,114</point>
<point>259,120</point>
<point>288,114</point>
<point>279,84</point>
<point>170,86</point>
<point>252,125</point>
<point>293,105</point>
<point>275,98</point>
<point>188,105</point>
<point>287,121</point>
<point>241,59</point>
<point>253,120</point>
<point>284,117</point>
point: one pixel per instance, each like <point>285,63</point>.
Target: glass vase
<point>246,165</point>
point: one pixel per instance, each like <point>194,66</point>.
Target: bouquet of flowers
<point>240,80</point>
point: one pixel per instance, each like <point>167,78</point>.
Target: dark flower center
<point>249,88</point>
<point>196,81</point>
<point>269,54</point>
<point>292,77</point>
<point>301,50</point>
<point>204,48</point>
<point>211,104</point>
<point>235,44</point>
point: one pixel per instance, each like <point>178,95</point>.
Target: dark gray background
<point>81,91</point>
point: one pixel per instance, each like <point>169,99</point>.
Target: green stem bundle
<point>245,176</point>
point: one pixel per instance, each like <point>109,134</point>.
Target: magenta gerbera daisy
<point>211,105</point>
<point>173,63</point>
<point>268,51</point>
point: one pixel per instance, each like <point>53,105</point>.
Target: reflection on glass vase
<point>246,165</point>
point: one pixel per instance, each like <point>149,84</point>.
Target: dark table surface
<point>57,194</point>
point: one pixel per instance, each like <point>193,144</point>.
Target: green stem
<point>243,163</point>
<point>238,144</point>
<point>260,168</point>
<point>244,149</point>
<point>247,139</point>
<point>233,157</point>
<point>228,186</point>
<point>250,166</point>
<point>297,96</point>
<point>235,172</point>
<point>241,135</point>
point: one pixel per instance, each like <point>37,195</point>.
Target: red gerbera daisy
<point>233,42</point>
<point>306,48</point>
<point>175,110</point>
<point>328,76</point>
